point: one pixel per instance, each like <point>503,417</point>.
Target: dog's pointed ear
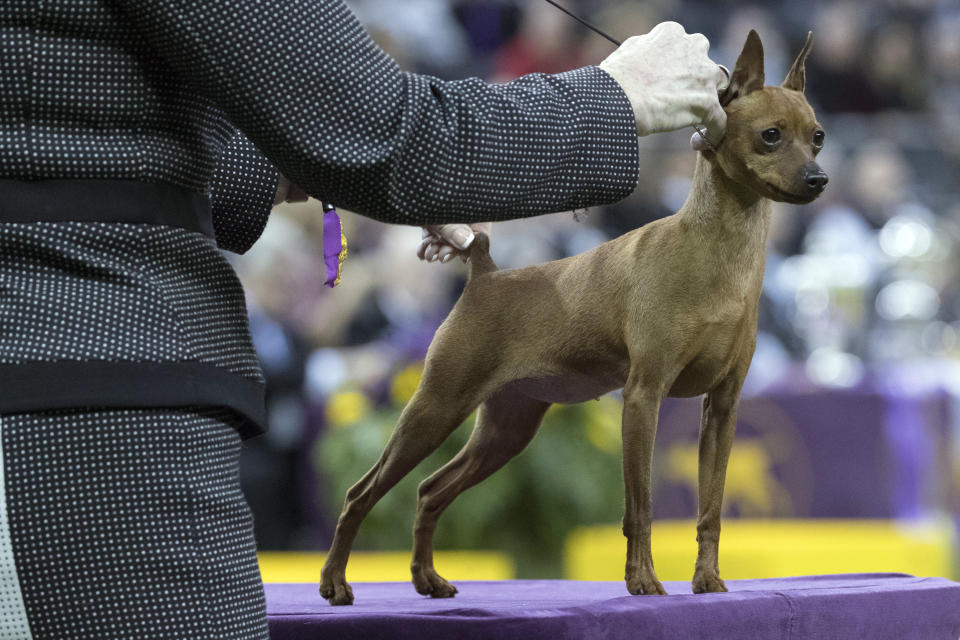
<point>797,77</point>
<point>747,76</point>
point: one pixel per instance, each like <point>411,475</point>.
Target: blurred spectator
<point>836,74</point>
<point>548,42</point>
<point>487,26</point>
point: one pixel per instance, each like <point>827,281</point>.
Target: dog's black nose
<point>816,180</point>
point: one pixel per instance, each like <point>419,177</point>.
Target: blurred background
<point>848,445</point>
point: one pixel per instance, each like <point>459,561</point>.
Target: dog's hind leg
<point>717,428</point>
<point>424,424</point>
<point>506,422</point>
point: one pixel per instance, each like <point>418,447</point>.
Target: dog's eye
<point>771,135</point>
<point>818,139</point>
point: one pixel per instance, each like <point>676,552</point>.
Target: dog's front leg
<point>717,427</point>
<point>641,405</point>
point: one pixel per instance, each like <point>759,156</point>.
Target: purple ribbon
<point>334,246</point>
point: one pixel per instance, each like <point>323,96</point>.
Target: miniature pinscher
<point>669,309</point>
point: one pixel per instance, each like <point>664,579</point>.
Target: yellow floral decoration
<point>347,407</point>
<point>405,383</point>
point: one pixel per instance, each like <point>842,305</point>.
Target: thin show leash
<point>618,43</point>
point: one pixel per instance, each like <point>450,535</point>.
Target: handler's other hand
<point>670,80</point>
<point>288,192</point>
<point>443,242</point>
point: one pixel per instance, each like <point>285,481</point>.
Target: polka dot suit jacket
<point>215,97</point>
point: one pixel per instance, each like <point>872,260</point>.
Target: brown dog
<point>669,309</point>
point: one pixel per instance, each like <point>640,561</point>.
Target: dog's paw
<point>645,586</point>
<point>708,583</point>
<point>336,591</point>
<point>429,583</point>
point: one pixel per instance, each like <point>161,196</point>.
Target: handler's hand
<point>288,192</point>
<point>670,80</point>
<point>443,242</point>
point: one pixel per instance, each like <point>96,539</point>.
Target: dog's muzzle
<point>814,179</point>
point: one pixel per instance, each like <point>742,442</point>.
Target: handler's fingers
<point>459,235</point>
<point>697,143</point>
<point>446,253</point>
<point>668,27</point>
<point>716,123</point>
<point>428,237</point>
<point>723,78</point>
<point>714,117</point>
<point>482,227</point>
<point>422,248</point>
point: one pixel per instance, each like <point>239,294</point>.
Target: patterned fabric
<point>153,90</point>
<point>117,292</point>
<point>242,190</point>
<point>13,615</point>
<point>156,90</point>
<point>127,524</point>
<point>131,294</point>
<point>340,119</point>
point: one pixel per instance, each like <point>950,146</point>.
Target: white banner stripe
<point>13,615</point>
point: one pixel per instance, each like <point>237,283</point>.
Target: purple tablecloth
<point>875,606</point>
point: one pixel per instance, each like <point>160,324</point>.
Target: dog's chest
<point>722,338</point>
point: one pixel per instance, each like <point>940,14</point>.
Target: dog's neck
<point>726,210</point>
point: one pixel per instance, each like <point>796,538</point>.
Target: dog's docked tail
<point>480,260</point>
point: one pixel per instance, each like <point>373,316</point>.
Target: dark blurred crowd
<point>864,277</point>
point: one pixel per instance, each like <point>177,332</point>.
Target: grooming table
<point>875,606</point>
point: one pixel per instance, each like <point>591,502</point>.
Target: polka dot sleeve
<point>242,190</point>
<point>306,84</point>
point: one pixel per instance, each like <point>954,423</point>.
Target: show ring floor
<point>878,606</point>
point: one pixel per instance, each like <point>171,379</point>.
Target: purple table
<point>876,606</point>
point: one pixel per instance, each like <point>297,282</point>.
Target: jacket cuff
<point>242,191</point>
<point>612,149</point>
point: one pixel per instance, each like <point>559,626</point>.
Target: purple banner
<point>851,453</point>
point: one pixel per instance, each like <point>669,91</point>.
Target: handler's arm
<point>304,82</point>
<point>242,192</point>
